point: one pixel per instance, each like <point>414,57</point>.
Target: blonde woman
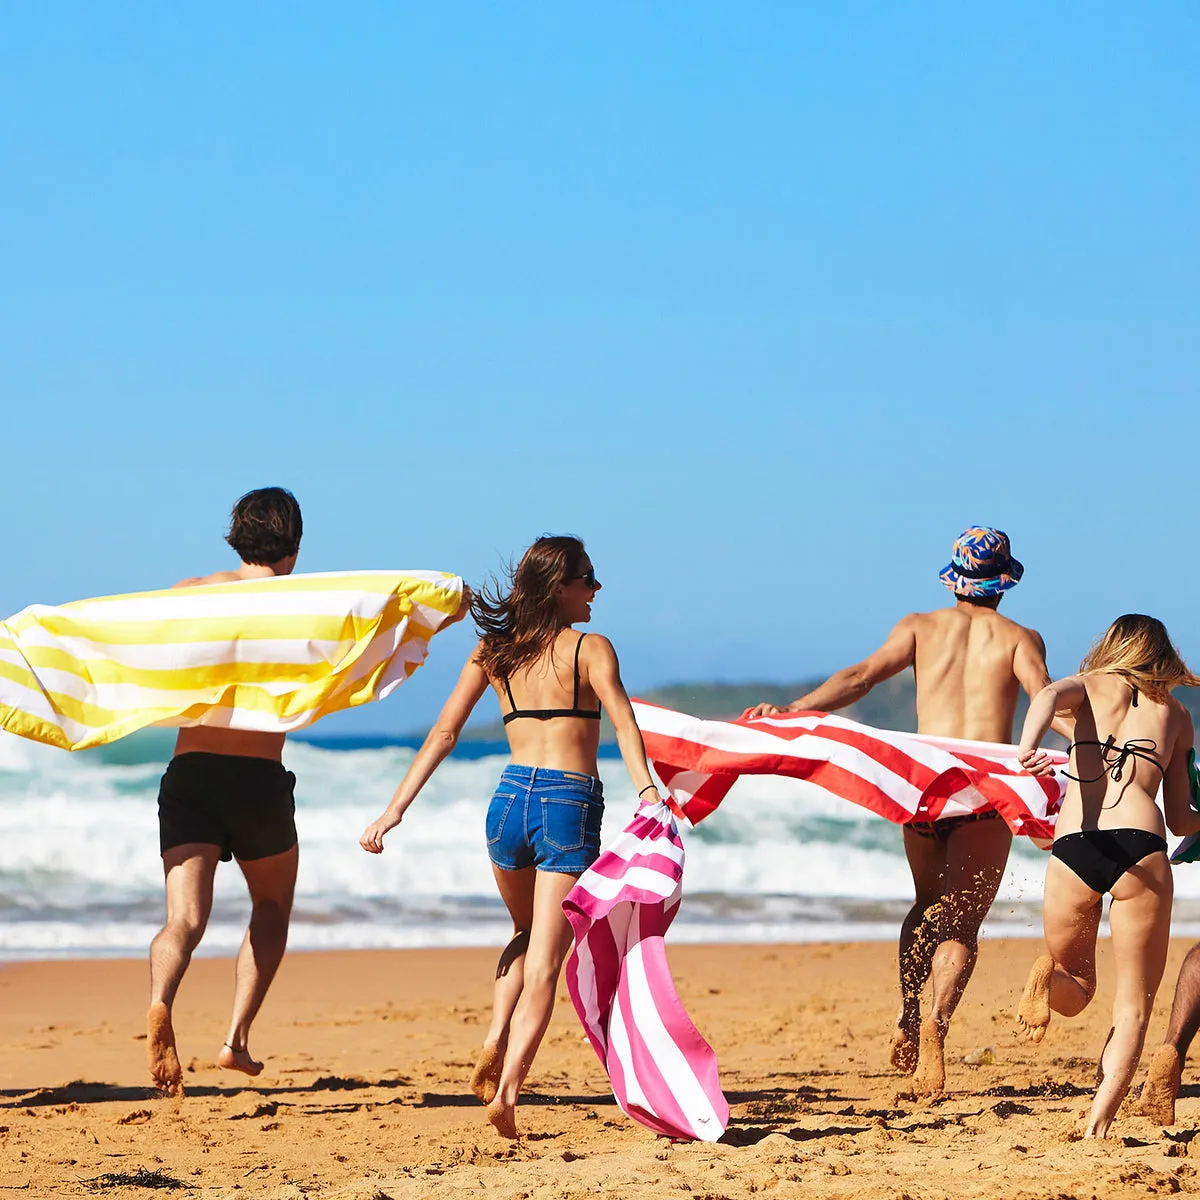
<point>1131,739</point>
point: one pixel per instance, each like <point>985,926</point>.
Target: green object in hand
<point>1194,779</point>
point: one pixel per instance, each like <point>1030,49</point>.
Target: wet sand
<point>366,1092</point>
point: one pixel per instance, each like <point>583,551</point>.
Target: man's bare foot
<point>1162,1087</point>
<point>486,1076</point>
<point>903,1052</point>
<point>238,1060</point>
<point>504,1118</point>
<point>1033,1012</point>
<point>160,1051</point>
<point>929,1079</point>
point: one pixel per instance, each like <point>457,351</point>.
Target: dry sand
<point>365,1091</point>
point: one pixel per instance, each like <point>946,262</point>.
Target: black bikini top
<point>1114,758</point>
<point>544,714</point>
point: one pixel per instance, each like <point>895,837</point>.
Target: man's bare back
<point>208,739</point>
<point>970,663</point>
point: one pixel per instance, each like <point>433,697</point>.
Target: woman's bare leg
<point>516,890</point>
<point>549,943</point>
<point>1140,919</point>
<point>1064,978</point>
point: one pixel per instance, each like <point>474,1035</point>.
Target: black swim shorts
<point>244,805</point>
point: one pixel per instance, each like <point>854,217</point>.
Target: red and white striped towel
<point>901,776</point>
<point>663,1073</point>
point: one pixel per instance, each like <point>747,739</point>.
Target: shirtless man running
<point>969,664</point>
<point>226,794</point>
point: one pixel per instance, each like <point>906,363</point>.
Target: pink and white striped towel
<point>663,1073</point>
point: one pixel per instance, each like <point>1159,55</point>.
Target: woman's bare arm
<point>1063,696</point>
<point>604,674</point>
<point>1181,817</point>
<point>441,740</point>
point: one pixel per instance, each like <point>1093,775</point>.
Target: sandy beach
<point>365,1091</point>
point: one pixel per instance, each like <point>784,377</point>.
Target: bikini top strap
<point>1143,748</point>
<point>508,689</point>
<point>575,697</point>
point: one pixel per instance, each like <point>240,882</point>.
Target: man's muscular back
<point>970,663</point>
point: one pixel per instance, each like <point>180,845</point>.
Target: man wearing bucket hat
<point>970,663</point>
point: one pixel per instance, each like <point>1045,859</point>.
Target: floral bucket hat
<point>983,564</point>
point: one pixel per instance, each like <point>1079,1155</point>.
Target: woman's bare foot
<point>1033,1012</point>
<point>929,1079</point>
<point>1161,1088</point>
<point>238,1060</point>
<point>504,1118</point>
<point>160,1051</point>
<point>486,1076</point>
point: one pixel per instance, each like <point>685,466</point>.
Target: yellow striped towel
<point>262,654</point>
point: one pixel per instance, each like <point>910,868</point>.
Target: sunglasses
<point>589,578</point>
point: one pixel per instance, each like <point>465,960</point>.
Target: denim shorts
<point>545,819</point>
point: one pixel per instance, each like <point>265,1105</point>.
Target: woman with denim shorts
<point>543,823</point>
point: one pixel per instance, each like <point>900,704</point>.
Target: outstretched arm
<point>442,738</point>
<point>1063,696</point>
<point>853,683</point>
<point>1029,666</point>
<point>1181,817</point>
<point>604,674</point>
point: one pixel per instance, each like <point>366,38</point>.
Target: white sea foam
<point>80,872</point>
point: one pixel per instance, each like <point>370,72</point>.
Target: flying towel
<point>663,1073</point>
<point>901,776</point>
<point>270,655</point>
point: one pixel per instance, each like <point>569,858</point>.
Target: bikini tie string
<point>1114,767</point>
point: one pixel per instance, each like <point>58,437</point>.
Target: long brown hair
<point>1139,648</point>
<point>516,625</point>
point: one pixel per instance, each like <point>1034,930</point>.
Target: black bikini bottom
<point>1101,856</point>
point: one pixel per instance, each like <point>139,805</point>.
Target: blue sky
<point>766,301</point>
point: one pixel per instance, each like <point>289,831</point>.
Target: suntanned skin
<point>970,663</point>
<point>529,967</point>
<point>1063,980</point>
<point>189,885</point>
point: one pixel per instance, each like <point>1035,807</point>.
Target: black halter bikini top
<point>1115,757</point>
<point>544,714</point>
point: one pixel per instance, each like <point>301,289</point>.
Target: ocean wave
<point>80,871</point>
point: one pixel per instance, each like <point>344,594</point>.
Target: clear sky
<point>765,301</point>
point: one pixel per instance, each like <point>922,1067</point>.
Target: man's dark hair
<point>981,601</point>
<point>265,526</point>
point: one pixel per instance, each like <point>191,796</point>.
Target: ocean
<point>80,874</point>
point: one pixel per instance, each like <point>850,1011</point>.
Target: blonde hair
<point>1139,648</point>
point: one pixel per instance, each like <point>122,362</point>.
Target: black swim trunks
<point>244,805</point>
<point>940,831</point>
